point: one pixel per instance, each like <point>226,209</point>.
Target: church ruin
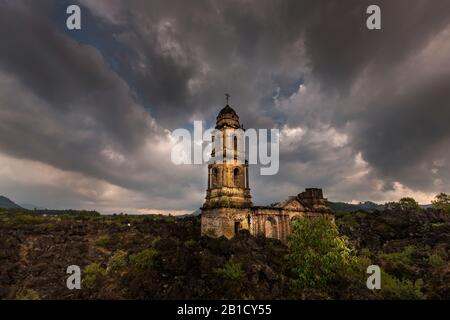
<point>228,207</point>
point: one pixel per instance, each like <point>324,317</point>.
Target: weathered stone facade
<point>228,207</point>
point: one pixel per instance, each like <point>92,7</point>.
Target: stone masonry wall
<point>267,221</point>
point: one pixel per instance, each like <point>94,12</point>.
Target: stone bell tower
<point>228,184</point>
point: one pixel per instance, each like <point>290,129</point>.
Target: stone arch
<point>271,228</point>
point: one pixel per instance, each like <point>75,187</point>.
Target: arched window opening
<point>237,227</point>
<point>214,177</point>
<point>270,228</point>
<point>236,177</point>
<point>235,147</point>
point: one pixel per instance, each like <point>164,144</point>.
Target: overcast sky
<point>85,115</point>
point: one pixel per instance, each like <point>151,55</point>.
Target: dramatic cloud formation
<point>85,115</point>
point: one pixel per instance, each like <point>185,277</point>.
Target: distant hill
<point>6,203</point>
<point>30,206</point>
<point>193,214</point>
<point>367,206</point>
<point>350,207</point>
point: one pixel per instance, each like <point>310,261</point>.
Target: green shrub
<point>117,261</point>
<point>143,260</point>
<point>170,218</point>
<point>155,241</point>
<point>318,255</point>
<point>365,252</point>
<point>398,260</point>
<point>103,241</point>
<point>27,294</point>
<point>29,219</point>
<point>442,202</point>
<point>93,275</point>
<point>395,289</point>
<point>438,224</point>
<point>349,219</point>
<point>231,271</point>
<point>437,258</point>
<point>190,243</point>
<point>404,204</point>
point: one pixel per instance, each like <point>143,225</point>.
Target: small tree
<point>392,205</point>
<point>318,255</point>
<point>408,203</point>
<point>441,201</point>
<point>404,204</point>
<point>231,271</point>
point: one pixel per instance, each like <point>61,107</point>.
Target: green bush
<point>27,294</point>
<point>93,275</point>
<point>348,219</point>
<point>437,258</point>
<point>318,255</point>
<point>190,243</point>
<point>438,224</point>
<point>399,261</point>
<point>144,260</point>
<point>29,219</point>
<point>442,202</point>
<point>404,204</point>
<point>117,261</point>
<point>155,241</point>
<point>170,218</point>
<point>395,289</point>
<point>365,252</point>
<point>231,271</point>
<point>103,241</point>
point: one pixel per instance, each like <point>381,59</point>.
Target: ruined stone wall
<point>270,222</point>
<point>219,222</point>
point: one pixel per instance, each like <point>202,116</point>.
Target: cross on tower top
<point>227,96</point>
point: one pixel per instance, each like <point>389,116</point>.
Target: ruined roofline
<point>307,209</point>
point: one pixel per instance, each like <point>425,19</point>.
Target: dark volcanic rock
<point>35,252</point>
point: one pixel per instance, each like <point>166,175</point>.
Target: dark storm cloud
<point>194,51</point>
<point>79,103</point>
<point>402,133</point>
<point>339,46</point>
<point>411,133</point>
<point>61,104</point>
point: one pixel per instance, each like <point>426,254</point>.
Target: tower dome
<point>227,117</point>
<point>227,110</point>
